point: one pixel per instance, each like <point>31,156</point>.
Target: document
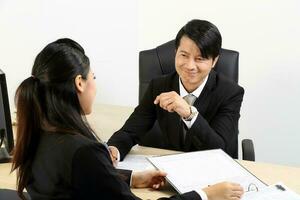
<point>196,170</point>
<point>273,192</point>
<point>135,163</point>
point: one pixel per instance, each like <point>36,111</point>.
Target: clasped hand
<point>173,102</point>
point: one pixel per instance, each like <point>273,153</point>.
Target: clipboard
<point>277,191</point>
<point>196,170</point>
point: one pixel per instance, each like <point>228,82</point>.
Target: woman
<point>57,154</point>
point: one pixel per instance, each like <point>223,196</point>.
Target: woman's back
<point>68,166</point>
<point>52,166</point>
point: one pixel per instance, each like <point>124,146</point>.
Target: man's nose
<point>191,64</point>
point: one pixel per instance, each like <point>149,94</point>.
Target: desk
<point>268,173</point>
<point>106,119</point>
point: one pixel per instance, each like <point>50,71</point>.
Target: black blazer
<point>69,166</point>
<point>215,127</point>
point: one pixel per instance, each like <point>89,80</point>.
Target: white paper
<point>135,163</point>
<point>272,193</point>
<point>196,170</point>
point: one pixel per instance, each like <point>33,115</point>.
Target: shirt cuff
<point>202,194</point>
<point>189,124</point>
<point>130,179</point>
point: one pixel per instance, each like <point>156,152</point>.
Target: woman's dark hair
<point>47,102</point>
<point>206,36</point>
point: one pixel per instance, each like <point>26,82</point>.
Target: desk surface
<point>268,173</point>
<point>107,119</point>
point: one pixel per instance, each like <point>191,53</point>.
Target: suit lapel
<point>203,100</point>
<point>201,104</point>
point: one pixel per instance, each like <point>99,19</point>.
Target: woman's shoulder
<point>65,143</point>
<point>63,137</point>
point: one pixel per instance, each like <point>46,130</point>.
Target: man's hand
<point>224,191</point>
<point>173,102</point>
<point>149,178</point>
<point>114,152</point>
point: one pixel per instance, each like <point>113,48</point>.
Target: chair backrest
<point>161,60</point>
<point>12,194</point>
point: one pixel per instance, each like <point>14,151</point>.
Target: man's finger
<point>171,107</point>
<point>157,99</point>
<point>164,104</point>
<point>163,96</point>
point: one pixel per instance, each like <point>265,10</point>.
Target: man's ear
<point>215,61</point>
<point>79,84</point>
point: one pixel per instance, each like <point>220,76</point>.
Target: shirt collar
<point>196,92</point>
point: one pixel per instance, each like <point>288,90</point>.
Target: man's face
<point>191,67</point>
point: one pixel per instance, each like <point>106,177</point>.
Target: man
<point>196,107</point>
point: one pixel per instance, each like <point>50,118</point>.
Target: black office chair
<point>160,61</point>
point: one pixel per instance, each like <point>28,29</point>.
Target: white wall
<point>106,29</point>
<point>266,33</point>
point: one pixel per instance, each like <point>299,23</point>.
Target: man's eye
<point>200,59</point>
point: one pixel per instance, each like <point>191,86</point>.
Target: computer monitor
<point>6,134</point>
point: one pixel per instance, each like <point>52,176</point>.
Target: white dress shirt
<point>196,93</point>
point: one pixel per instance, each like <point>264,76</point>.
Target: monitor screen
<point>6,134</point>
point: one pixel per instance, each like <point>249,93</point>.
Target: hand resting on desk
<point>156,179</point>
<point>148,179</point>
<point>224,191</point>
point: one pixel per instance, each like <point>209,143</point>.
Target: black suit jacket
<point>216,125</point>
<point>69,166</point>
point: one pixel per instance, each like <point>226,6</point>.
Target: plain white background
<point>266,33</point>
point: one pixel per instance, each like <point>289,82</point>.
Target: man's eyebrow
<point>183,51</point>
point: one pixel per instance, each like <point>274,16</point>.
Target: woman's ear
<point>79,84</point>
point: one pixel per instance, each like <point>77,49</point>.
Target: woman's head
<point>55,98</point>
<point>62,85</point>
<point>63,71</point>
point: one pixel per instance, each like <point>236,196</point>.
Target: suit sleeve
<point>186,196</point>
<point>139,123</point>
<point>93,176</point>
<point>125,175</point>
<point>222,130</point>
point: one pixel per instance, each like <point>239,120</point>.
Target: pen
<point>280,187</point>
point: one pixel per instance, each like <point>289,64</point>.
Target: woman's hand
<point>149,178</point>
<point>224,191</point>
<point>113,152</point>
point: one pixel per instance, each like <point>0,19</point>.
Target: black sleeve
<point>93,176</point>
<point>186,196</point>
<point>139,123</point>
<point>125,175</point>
<point>222,130</point>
